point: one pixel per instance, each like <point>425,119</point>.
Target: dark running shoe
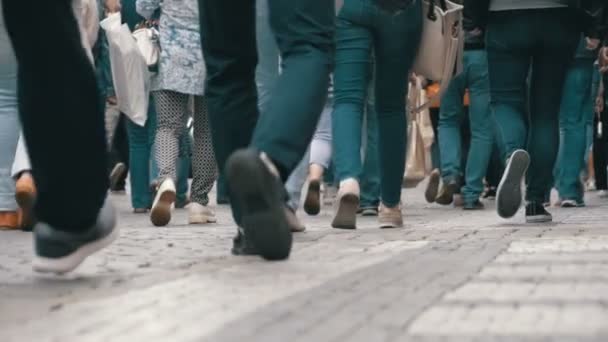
<point>508,195</point>
<point>312,204</point>
<point>446,194</point>
<point>536,213</point>
<point>259,194</point>
<point>475,205</point>
<point>61,252</point>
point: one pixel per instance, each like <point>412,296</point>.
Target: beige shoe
<point>390,217</point>
<point>160,215</point>
<point>347,204</point>
<point>200,214</point>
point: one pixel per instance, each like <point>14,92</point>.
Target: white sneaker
<point>160,215</point>
<point>200,214</point>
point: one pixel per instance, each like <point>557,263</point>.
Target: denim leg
<point>451,115</point>
<point>396,40</point>
<point>370,180</point>
<point>575,107</point>
<point>9,135</point>
<point>267,71</point>
<point>295,182</point>
<point>351,76</point>
<point>321,145</point>
<point>481,123</point>
<point>139,159</point>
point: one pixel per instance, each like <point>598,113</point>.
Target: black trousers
<point>119,151</point>
<point>60,111</point>
<point>600,156</point>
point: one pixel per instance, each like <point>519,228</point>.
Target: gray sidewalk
<point>449,275</point>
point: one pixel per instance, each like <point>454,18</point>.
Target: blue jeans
<point>575,113</point>
<point>370,179</point>
<point>142,165</point>
<point>362,26</point>
<point>475,78</point>
<point>9,122</point>
<point>543,41</point>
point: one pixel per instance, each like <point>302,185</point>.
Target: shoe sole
<point>72,261</point>
<point>160,215</point>
<point>447,197</point>
<point>201,219</point>
<point>432,188</point>
<point>369,213</point>
<point>509,195</point>
<point>312,204</point>
<point>390,225</point>
<point>346,214</point>
<point>25,200</point>
<point>262,208</point>
<point>116,174</point>
<point>539,219</point>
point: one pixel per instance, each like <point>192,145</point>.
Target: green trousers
<point>539,45</point>
<point>303,30</point>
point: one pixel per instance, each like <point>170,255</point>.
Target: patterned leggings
<point>173,110</point>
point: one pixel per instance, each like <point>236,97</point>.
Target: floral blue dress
<point>181,65</point>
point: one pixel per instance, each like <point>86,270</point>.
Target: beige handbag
<point>420,139</point>
<point>440,52</point>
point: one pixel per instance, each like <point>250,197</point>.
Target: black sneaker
<point>490,193</point>
<point>259,194</point>
<point>312,204</point>
<point>368,211</point>
<point>536,213</point>
<point>475,205</point>
<point>508,195</point>
<point>446,194</point>
<point>61,252</point>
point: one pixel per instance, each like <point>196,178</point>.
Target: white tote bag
<point>129,70</point>
<point>440,52</point>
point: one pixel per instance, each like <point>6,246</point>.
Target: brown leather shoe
<point>9,220</point>
<point>25,195</point>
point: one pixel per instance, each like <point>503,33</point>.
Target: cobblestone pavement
<point>449,275</point>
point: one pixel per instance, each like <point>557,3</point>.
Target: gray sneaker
<point>60,252</point>
<point>390,217</point>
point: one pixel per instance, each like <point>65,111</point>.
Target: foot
<point>570,203</point>
<point>200,214</point>
<point>474,205</point>
<point>9,220</point>
<point>433,186</point>
<point>117,176</point>
<point>25,196</point>
<point>536,213</point>
<point>508,195</point>
<point>347,204</point>
<point>160,215</point>
<point>61,252</point>
<point>446,194</point>
<point>312,204</point>
<point>371,210</point>
<point>256,189</point>
<point>390,217</point>
<point>295,225</point>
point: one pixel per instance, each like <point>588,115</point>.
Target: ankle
<point>350,185</point>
